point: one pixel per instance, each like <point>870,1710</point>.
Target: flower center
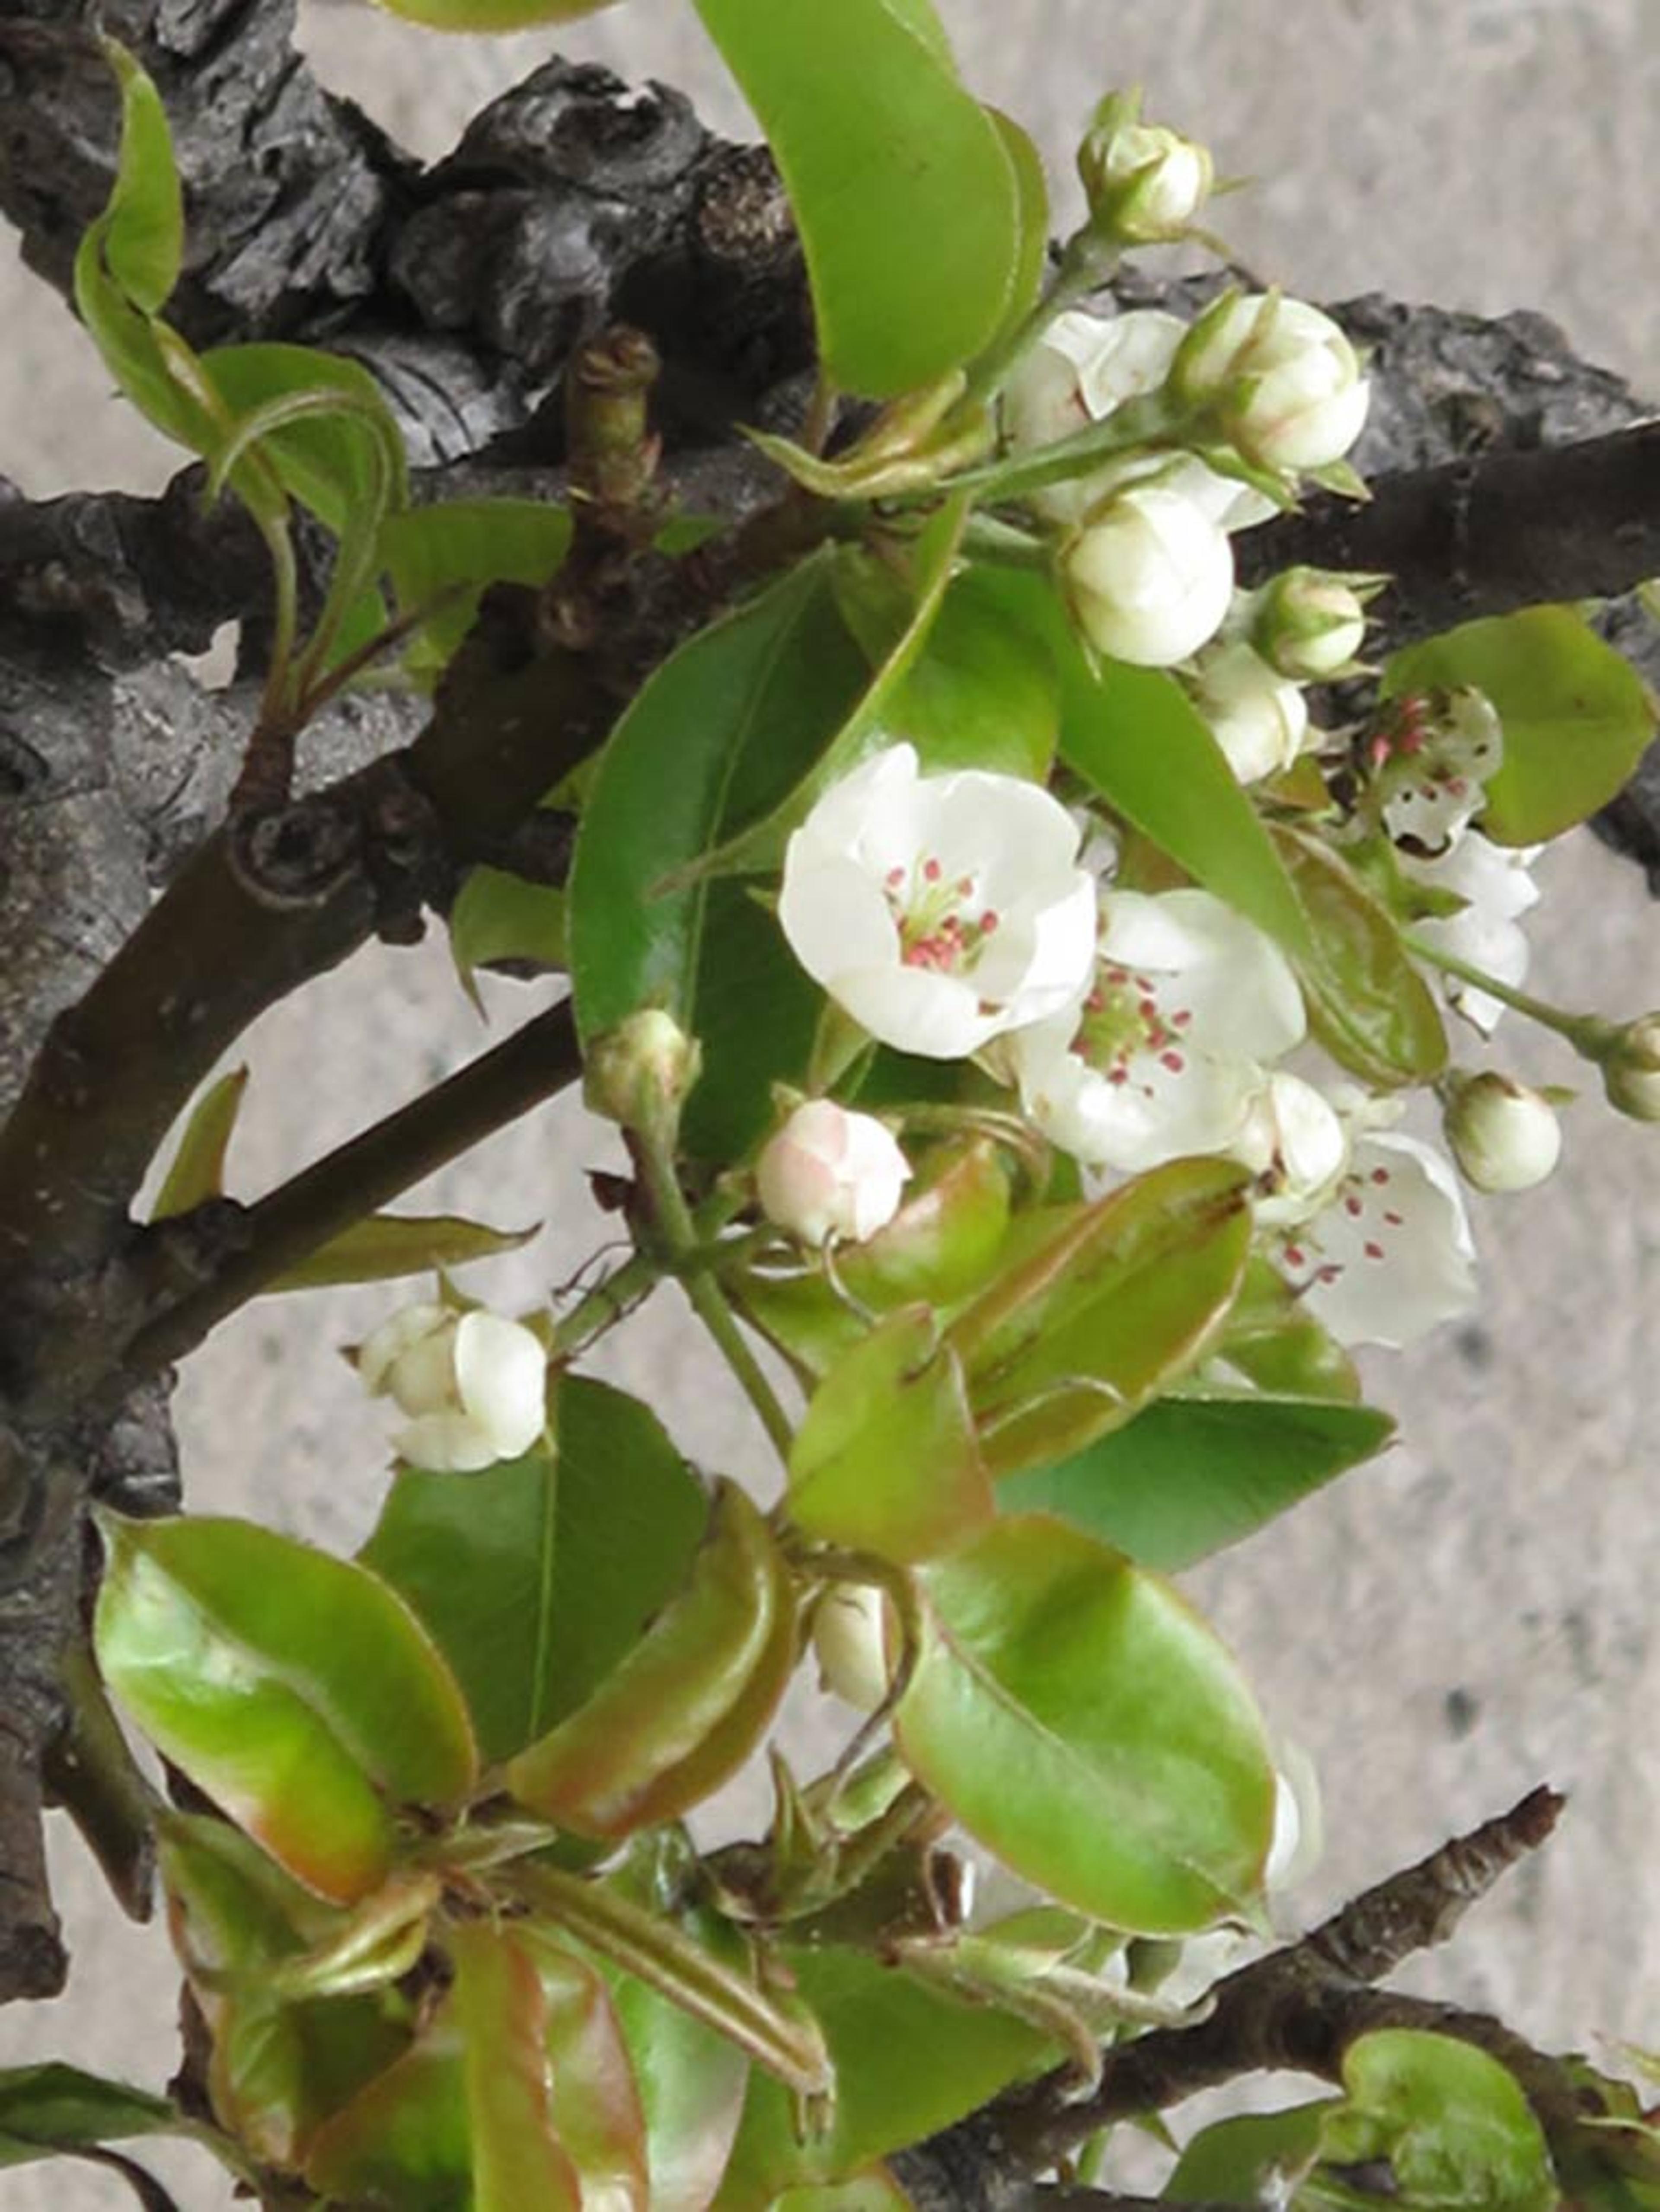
<point>1358,1228</point>
<point>939,928</point>
<point>1123,1019</point>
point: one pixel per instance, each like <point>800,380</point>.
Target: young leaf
<point>1234,2161</point>
<point>405,2137</point>
<point>536,1577</point>
<point>1092,1316</point>
<point>885,1459</point>
<point>332,442</point>
<point>1367,1003</point>
<point>1138,741</point>
<point>683,1711</point>
<point>1146,1792</point>
<point>293,1688</point>
<point>691,2080</point>
<point>1191,1475</point>
<point>596,2107</point>
<point>1578,717</point>
<point>53,2107</point>
<point>501,2016</point>
<point>907,199</point>
<point>491,15</point>
<point>384,1246</point>
<point>448,553</point>
<point>197,1171</point>
<point>1452,2122</point>
<point>500,916</point>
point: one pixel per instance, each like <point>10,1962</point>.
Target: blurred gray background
<point>1467,1617</point>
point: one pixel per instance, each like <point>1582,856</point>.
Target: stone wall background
<point>1467,1617</point>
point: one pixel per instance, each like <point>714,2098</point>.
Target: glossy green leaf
<point>501,2014</point>
<point>1138,741</point>
<point>1146,1792</point>
<point>1578,717</point>
<point>1368,1005</point>
<point>684,1708</point>
<point>1191,1475</point>
<point>774,2029</point>
<point>723,730</point>
<point>982,692</point>
<point>336,460</point>
<point>907,199</point>
<point>491,15</point>
<point>404,2139</point>
<point>442,556</point>
<point>1453,2123</point>
<point>198,1169</point>
<point>384,1246</point>
<point>1033,228</point>
<point>537,1576</point>
<point>595,2106</point>
<point>297,1690</point>
<point>500,916</point>
<point>885,1459</point>
<point>1091,1318</point>
<point>1274,1341</point>
<point>52,2107</point>
<point>691,2081</point>
<point>909,2059</point>
<point>1234,2161</point>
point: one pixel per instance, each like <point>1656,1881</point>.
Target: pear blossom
<point>1163,1057</point>
<point>1285,381</point>
<point>1494,883</point>
<point>1431,755</point>
<point>939,911</point>
<point>1389,1255</point>
<point>1144,182</point>
<point>1310,625</point>
<point>831,1173</point>
<point>1294,1137</point>
<point>473,1384</point>
<point>1256,715</point>
<point>1504,1135</point>
<point>1150,576</point>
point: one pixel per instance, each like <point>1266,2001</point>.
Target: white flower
<point>1285,381</point>
<point>1163,1057</point>
<point>829,1173</point>
<point>1431,756</point>
<point>1503,1136</point>
<point>1389,1253</point>
<point>939,911</point>
<point>1293,1136</point>
<point>850,1642</point>
<point>473,1385</point>
<point>1494,883</point>
<point>1258,717</point>
<point>1150,577</point>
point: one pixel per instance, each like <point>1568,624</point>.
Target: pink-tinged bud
<point>1503,1136</point>
<point>1631,1069</point>
<point>1149,577</point>
<point>831,1173</point>
<point>1282,382</point>
<point>1144,184</point>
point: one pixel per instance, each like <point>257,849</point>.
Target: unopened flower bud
<point>639,1073</point>
<point>1282,380</point>
<point>831,1173</point>
<point>1309,625</point>
<point>1144,183</point>
<point>1503,1136</point>
<point>850,1640</point>
<point>1259,718</point>
<point>1631,1069</point>
<point>1150,576</point>
<point>474,1385</point>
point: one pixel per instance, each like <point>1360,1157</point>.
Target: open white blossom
<point>1150,576</point>
<point>1494,882</point>
<point>939,911</point>
<point>1431,758</point>
<point>1258,717</point>
<point>1164,1056</point>
<point>473,1384</point>
<point>831,1173</point>
<point>1388,1255</point>
<point>1294,1139</point>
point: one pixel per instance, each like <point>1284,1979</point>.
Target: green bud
<point>1503,1136</point>
<point>1308,624</point>
<point>1631,1069</point>
<point>1144,184</point>
<point>639,1073</point>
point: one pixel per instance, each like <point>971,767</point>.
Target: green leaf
<point>885,1459</point>
<point>907,203</point>
<point>596,2107</point>
<point>1146,1792</point>
<point>140,236</point>
<point>1138,741</point>
<point>1367,1003</point>
<point>909,2059</point>
<point>500,916</point>
<point>537,1576</point>
<point>501,2016</point>
<point>982,692</point>
<point>1098,1307</point>
<point>1453,2123</point>
<point>54,2107</point>
<point>383,1246</point>
<point>691,2081</point>
<point>1191,1475</point>
<point>1033,229</point>
<point>1578,717</point>
<point>458,547</point>
<point>294,1688</point>
<point>1234,2161</point>
<point>720,734</point>
<point>404,2139</point>
<point>491,15</point>
<point>339,452</point>
<point>197,1171</point>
